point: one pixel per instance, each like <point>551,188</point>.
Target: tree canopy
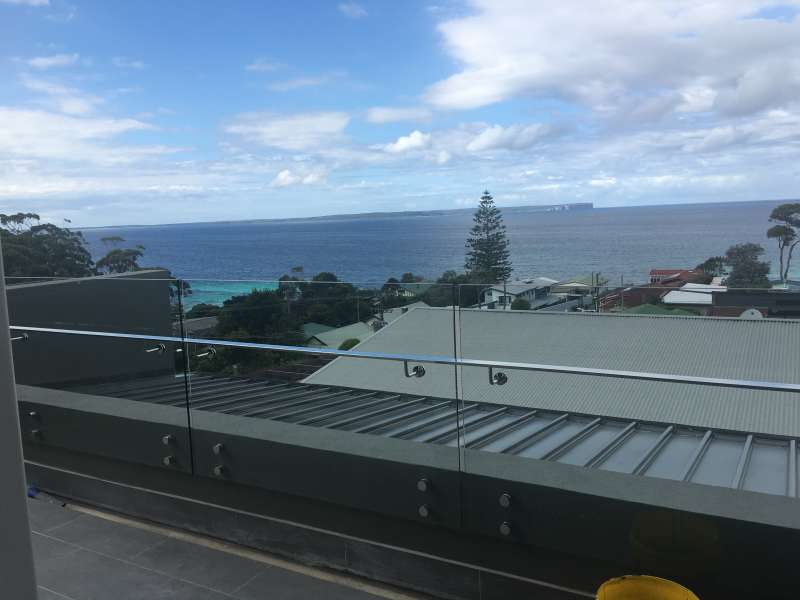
<point>32,249</point>
<point>714,266</point>
<point>121,260</point>
<point>747,268</point>
<point>786,232</point>
<point>488,253</point>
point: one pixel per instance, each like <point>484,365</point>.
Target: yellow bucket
<point>643,587</point>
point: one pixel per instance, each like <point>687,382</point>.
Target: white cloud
<point>416,140</point>
<point>712,54</point>
<point>123,62</point>
<point>390,114</point>
<point>287,177</point>
<point>514,137</point>
<point>55,60</point>
<point>60,97</point>
<point>352,10</point>
<point>263,65</point>
<point>443,157</point>
<point>46,135</point>
<point>297,132</point>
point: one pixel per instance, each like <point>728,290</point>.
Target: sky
<point>147,112</point>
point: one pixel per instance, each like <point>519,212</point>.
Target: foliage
<point>487,245</point>
<point>31,249</point>
<point>121,260</point>
<point>349,343</point>
<point>411,278</point>
<point>453,288</point>
<point>203,310</point>
<point>714,266</point>
<point>747,268</point>
<point>391,285</point>
<point>261,314</point>
<point>786,233</point>
<point>520,304</point>
<point>329,301</point>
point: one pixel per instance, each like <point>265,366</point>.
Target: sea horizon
<point>390,214</point>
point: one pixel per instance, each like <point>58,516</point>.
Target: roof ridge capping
<point>541,313</point>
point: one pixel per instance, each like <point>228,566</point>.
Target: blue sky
<point>152,112</point>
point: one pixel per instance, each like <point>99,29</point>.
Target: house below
<point>661,275</point>
<point>334,338</point>
<point>694,295</point>
<point>580,286</point>
<point>536,291</point>
<point>413,290</point>
<point>626,298</point>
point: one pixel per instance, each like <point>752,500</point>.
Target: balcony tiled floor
<point>82,556</point>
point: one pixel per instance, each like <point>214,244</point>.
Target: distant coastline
<point>520,209</point>
<point>533,208</point>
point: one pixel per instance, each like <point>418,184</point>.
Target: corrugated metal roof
<point>765,350</point>
<point>737,460</point>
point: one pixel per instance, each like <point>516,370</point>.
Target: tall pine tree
<point>488,255</point>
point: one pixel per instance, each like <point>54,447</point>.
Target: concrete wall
<point>127,303</point>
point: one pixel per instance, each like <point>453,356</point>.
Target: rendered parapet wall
<point>131,303</point>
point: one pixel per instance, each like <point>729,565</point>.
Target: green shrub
<point>520,304</point>
<point>349,343</point>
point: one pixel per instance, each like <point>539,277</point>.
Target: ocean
<point>621,243</point>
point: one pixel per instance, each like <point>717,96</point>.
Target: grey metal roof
<point>333,338</point>
<point>765,350</point>
<point>736,460</point>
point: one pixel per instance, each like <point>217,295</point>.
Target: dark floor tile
<point>45,594</point>
<point>45,514</point>
<point>198,564</point>
<point>84,575</point>
<point>107,537</point>
<point>49,553</point>
<point>413,571</point>
<point>279,584</point>
<point>498,587</point>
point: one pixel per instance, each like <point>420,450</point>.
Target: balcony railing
<point>374,401</point>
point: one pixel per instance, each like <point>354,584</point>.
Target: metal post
<point>17,576</point>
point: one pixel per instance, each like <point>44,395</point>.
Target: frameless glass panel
<point>92,371</point>
<point>365,431</point>
<point>603,412</point>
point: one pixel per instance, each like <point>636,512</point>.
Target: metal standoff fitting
<point>505,499</point>
<point>424,511</point>
<point>498,378</point>
<point>34,415</point>
<point>416,371</point>
<point>167,439</point>
<point>209,351</point>
<point>20,338</point>
<point>168,461</point>
<point>505,528</point>
<point>217,449</point>
<point>219,470</point>
<point>36,434</point>
<point>423,485</point>
<point>158,349</point>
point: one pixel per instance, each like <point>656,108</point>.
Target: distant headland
<point>571,206</point>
